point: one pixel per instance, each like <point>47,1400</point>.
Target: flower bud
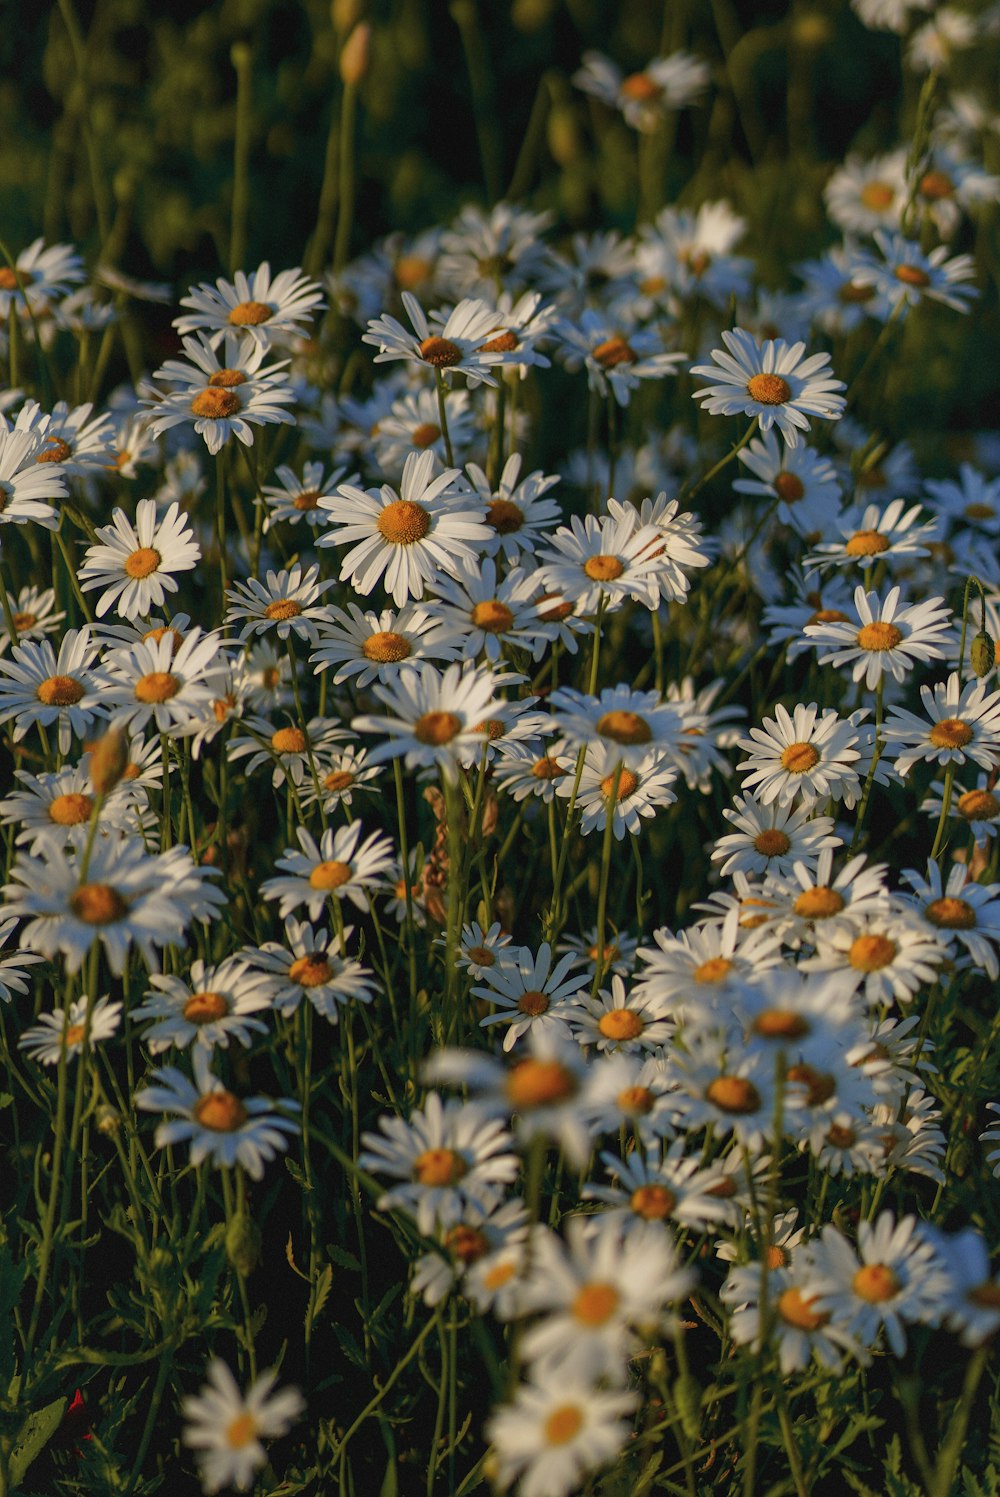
<point>108,761</point>
<point>243,1243</point>
<point>983,653</point>
<point>356,55</point>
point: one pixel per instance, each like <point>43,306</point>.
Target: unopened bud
<point>356,55</point>
<point>243,1243</point>
<point>108,761</point>
<point>345,15</point>
<point>983,654</point>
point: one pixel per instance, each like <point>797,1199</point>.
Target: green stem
<point>346,184</point>
<point>241,59</point>
<point>602,894</point>
<point>951,1450</point>
<point>441,393</point>
<point>686,493</point>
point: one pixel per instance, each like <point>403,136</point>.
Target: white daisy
<point>135,565</point>
<point>493,616</point>
<point>62,1033</point>
<point>517,510</point>
<point>978,809</point>
<point>79,444</point>
<point>891,953</point>
<point>528,993</point>
<point>295,499</point>
<point>453,347</point>
<point>433,716</point>
<point>553,1434</point>
<point>613,557</point>
<point>339,866</point>
<point>808,754</point>
<point>664,84</point>
<point>39,686</point>
<point>27,485</point>
<point>309,965</point>
<point>962,913</point>
<point>640,789</point>
<point>962,726</point>
<point>616,357</point>
<point>221,399</point>
<point>163,681</point>
<point>632,724</point>
<point>287,602</point>
<point>772,839</point>
<point>772,382</point>
<point>214,1005</point>
<point>890,638</point>
<point>42,276</point>
<point>226,1427</point>
<point>258,307</point>
<point>904,275</point>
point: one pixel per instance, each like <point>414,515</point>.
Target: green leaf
<point>35,1433</point>
<point>319,1293</point>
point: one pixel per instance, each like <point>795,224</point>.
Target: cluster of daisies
<point>400,594</point>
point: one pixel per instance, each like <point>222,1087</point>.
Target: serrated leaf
<point>342,1257</point>
<point>319,1293</point>
<point>35,1433</point>
<point>349,1346</point>
<point>290,1255</point>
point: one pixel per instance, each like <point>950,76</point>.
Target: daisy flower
<point>610,558</point>
<point>226,1427</point>
<point>220,1126</point>
<point>895,1277</point>
<point>69,437</point>
<point>39,686</point>
<point>614,1019</point>
<point>904,275</point>
<point>632,724</point>
<point>517,511</point>
<point>480,951</point>
<point>221,399</point>
<point>800,1330</point>
<point>643,788</point>
<point>434,716</point>
<point>962,726</point>
<point>479,1235</point>
<point>551,1436</point>
<point>27,485</point>
<point>697,970</point>
<point>692,253</point>
<point>309,964</point>
<point>135,565</point>
<point>834,300</point>
<point>296,499</point>
<point>619,951</point>
<point>734,1093</point>
<point>970,499</point>
<point>12,978</point>
<point>342,774</point>
<point>288,751</point>
<point>405,538</point>
<point>932,48</point>
<point>978,809</point>
<point>528,993</point>
<point>61,1033</point>
<point>771,839</point>
<point>597,269</point>
<point>812,899</point>
<point>43,275</point>
<point>445,1155</point>
<point>34,615</point>
<point>810,754</point>
<point>974,1308</point>
<point>615,357</point>
<point>962,913</point>
<point>257,307</point>
<point>130,897</point>
<point>457,345</point>
<point>875,533</point>
<point>57,808</point>
<point>162,681</point>
<point>339,866</point>
<point>528,769</point>
<point>679,546</point>
<point>287,602</point>
<point>645,97</point>
<point>892,954</point>
<point>482,249</point>
<point>212,1007</point>
<point>490,616</point>
<point>890,638</point>
<point>413,422</point>
<point>673,1189</point>
<point>772,382</point>
<point>864,195</point>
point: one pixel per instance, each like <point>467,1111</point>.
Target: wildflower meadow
<point>500,748</point>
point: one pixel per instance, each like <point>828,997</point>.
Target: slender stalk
<point>241,58</point>
<point>723,462</point>
<point>602,894</point>
<point>346,184</point>
<point>442,409</point>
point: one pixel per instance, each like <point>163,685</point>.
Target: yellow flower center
<point>402,522</point>
<point>653,1202</point>
<point>288,741</point>
<point>552,611</point>
<point>798,757</point>
<point>386,647</point>
<point>437,728</point>
<point>337,780</point>
<point>603,568</point>
<point>142,562</point>
<point>614,351</point>
<point>951,914</point>
<point>282,608</point>
<point>505,516</point>
<point>161,632</point>
<point>492,616</point>
<point>330,875</point>
<point>533,1003</point>
<point>624,727</point>
<point>820,1085</point>
<point>979,511</point>
<point>411,271</point>
<point>156,686</point>
<point>986,1296</point>
<point>56,451</point>
<point>227,379</point>
<point>539,1083</point>
<point>98,904</point>
<point>306,500</point>
<point>424,435</point>
<point>715,969</point>
<point>250,314</point>
<point>242,1430</point>
<point>546,768</point>
<point>769,389</point>
<point>621,1024</point>
<point>70,809</point>
<point>840,1137</point>
<point>733,1094</point>
<point>563,1424</point>
<point>439,1167</point>
<point>819,903</point>
<point>310,971</point>
<point>220,1112</point>
<point>60,691</point>
<point>640,88</point>
<point>636,1101</point>
<point>978,805</point>
<point>789,487</point>
<point>851,294</point>
<point>628,784</point>
<point>878,196</point>
<point>772,842</point>
<point>595,1304</point>
<point>827,616</point>
<point>936,185</point>
<point>441,352</point>
<point>912,275</point>
<point>466,1244</point>
<point>499,1275</point>
<point>951,732</point>
<point>794,1309</point>
<point>205,1008</point>
<point>879,636</point>
<point>74,1035</point>
<point>866,543</point>
<point>875,1283</point>
<point>25,621</point>
<point>502,343</point>
<point>482,956</point>
<point>780,1024</point>
<point>215,403</point>
<point>872,953</point>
